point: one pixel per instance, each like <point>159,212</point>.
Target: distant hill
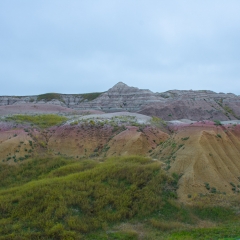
<point>170,105</point>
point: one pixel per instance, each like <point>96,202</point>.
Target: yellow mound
<point>209,161</point>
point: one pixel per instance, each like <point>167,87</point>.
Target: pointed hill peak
<point>120,85</point>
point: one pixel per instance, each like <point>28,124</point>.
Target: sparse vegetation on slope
<point>91,96</point>
<point>158,122</point>
<point>42,121</point>
<point>49,97</point>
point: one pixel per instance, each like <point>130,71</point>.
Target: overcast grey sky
<point>77,46</point>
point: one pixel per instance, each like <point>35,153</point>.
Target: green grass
<point>78,202</point>
<point>63,198</point>
<point>228,231</point>
<point>216,213</point>
<point>115,235</point>
<point>158,122</point>
<point>16,175</point>
<point>91,96</point>
<point>42,121</point>
<point>49,97</point>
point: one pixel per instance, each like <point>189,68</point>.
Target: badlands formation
<point>170,105</point>
<point>194,134</point>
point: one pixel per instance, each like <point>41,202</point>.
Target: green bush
<point>219,135</point>
<point>217,123</point>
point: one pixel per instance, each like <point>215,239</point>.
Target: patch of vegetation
<point>105,148</point>
<point>184,225</point>
<point>235,189</point>
<point>185,138</point>
<point>218,135</point>
<point>229,231</point>
<point>158,122</point>
<point>74,123</point>
<point>217,123</point>
<point>227,109</point>
<point>213,190</point>
<point>119,120</point>
<point>214,213</point>
<point>42,121</point>
<point>49,97</point>
<point>81,202</point>
<point>207,186</point>
<point>63,198</point>
<point>17,175</point>
<point>116,235</point>
<point>91,96</point>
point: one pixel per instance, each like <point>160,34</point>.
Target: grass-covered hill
<point>118,198</point>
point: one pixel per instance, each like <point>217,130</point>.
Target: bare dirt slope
<point>135,141</point>
<point>207,157</point>
<point>77,141</point>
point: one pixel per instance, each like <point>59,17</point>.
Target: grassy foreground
<point>59,198</point>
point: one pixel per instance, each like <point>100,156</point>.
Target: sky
<point>81,46</point>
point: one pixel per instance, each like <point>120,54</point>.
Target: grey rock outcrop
<point>170,105</point>
<point>196,105</point>
<point>121,97</point>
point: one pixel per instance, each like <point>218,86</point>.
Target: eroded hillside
<point>170,105</point>
<point>205,154</point>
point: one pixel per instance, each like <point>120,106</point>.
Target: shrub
<point>217,123</point>
<point>219,135</point>
<point>207,186</point>
<point>213,190</point>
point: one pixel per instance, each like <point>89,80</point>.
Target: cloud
<point>83,46</point>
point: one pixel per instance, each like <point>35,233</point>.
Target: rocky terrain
<point>120,154</point>
<point>192,133</point>
<point>170,105</point>
<point>104,157</point>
